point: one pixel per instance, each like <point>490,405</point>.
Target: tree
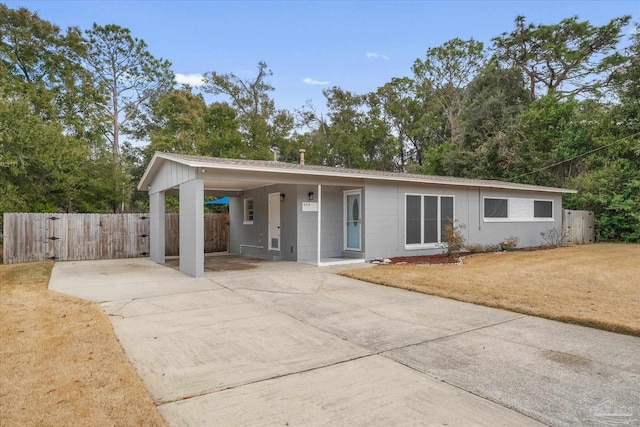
<point>397,99</point>
<point>344,139</point>
<point>445,72</point>
<point>42,168</point>
<point>570,57</point>
<point>611,189</point>
<point>183,123</point>
<point>356,136</point>
<point>550,133</point>
<point>625,83</point>
<point>43,66</point>
<point>129,74</point>
<point>50,148</point>
<point>610,182</point>
<point>493,102</point>
<point>261,123</point>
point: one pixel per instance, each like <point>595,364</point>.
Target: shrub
<point>454,238</point>
<point>478,248</point>
<point>509,243</point>
<point>553,237</point>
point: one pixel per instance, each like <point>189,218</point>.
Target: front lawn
<point>60,363</point>
<point>594,285</point>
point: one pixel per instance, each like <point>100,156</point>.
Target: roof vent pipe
<point>275,150</point>
<point>301,151</point>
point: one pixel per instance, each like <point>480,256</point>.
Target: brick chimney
<point>301,151</point>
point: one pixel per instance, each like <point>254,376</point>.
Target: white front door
<point>274,222</point>
<point>353,220</point>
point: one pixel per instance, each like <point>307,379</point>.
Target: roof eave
<point>200,164</point>
<point>150,171</point>
<point>523,187</point>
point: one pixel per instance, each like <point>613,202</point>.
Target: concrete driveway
<point>278,343</point>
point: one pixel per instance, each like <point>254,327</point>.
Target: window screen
<point>413,220</point>
<point>542,209</point>
<point>426,217</point>
<point>446,213</point>
<point>495,208</point>
<point>430,219</point>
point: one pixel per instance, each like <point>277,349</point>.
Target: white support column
<point>156,226</point>
<point>319,248</point>
<point>192,228</point>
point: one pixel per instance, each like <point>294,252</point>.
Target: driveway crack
<point>274,377</point>
<point>466,331</point>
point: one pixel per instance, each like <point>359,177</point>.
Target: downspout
<point>319,222</point>
<point>479,210</point>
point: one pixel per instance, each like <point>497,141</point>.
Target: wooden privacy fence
<point>578,227</point>
<point>67,237</point>
<point>216,233</point>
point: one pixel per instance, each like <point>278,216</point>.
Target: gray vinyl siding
<point>385,213</point>
<point>307,226</point>
<point>171,175</point>
<point>383,226</point>
<point>256,234</point>
<point>481,231</point>
<point>332,219</point>
<point>384,217</point>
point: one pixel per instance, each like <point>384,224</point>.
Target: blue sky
<point>357,45</point>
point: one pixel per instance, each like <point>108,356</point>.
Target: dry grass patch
<point>60,363</point>
<point>593,285</point>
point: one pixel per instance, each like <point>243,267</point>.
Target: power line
<point>576,157</point>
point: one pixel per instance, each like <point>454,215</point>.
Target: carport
<point>297,192</point>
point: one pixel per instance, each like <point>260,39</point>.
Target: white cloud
<point>194,80</point>
<point>373,55</point>
<point>310,81</point>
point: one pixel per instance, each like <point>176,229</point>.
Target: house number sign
<point>309,206</point>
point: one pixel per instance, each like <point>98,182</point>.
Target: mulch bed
<point>444,259</point>
<point>428,259</point>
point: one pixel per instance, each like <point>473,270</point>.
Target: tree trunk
<point>401,148</point>
<point>453,125</point>
<point>115,146</point>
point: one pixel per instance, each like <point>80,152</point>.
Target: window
<point>542,209</point>
<point>517,209</point>
<point>495,208</point>
<point>248,211</point>
<point>426,217</point>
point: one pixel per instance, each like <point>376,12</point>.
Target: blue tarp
<point>222,201</point>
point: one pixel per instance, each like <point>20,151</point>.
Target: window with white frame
<point>517,209</point>
<point>248,211</point>
<point>543,209</point>
<point>496,208</point>
<point>425,218</point>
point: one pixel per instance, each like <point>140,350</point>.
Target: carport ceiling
<point>232,185</point>
<point>215,187</point>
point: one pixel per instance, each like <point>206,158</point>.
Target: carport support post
<point>192,228</point>
<point>156,226</point>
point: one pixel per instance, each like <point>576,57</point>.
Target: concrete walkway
<point>277,343</point>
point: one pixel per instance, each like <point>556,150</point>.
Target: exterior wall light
<point>282,197</point>
<point>310,195</point>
